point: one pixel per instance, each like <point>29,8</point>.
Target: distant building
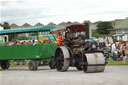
<point>1,28</point>
<point>14,26</point>
<point>38,25</point>
<point>120,25</point>
<point>26,25</point>
<point>51,24</point>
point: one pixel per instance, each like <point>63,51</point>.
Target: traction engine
<point>78,51</point>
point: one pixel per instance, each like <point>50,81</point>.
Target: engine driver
<point>59,38</point>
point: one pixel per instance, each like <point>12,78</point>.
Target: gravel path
<point>113,75</point>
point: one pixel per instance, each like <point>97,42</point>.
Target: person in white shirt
<point>114,51</point>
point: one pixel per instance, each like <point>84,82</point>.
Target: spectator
<point>123,48</point>
<point>7,43</point>
<point>114,51</point>
<point>59,39</point>
<point>118,43</point>
<point>24,43</point>
<point>102,44</point>
<point>50,41</point>
<point>11,43</point>
<point>34,42</point>
<point>29,42</point>
<point>18,43</point>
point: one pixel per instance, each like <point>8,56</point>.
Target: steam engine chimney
<point>86,23</point>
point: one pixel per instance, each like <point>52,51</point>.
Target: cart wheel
<point>78,67</point>
<point>51,65</point>
<point>33,65</point>
<point>62,59</point>
<point>85,68</point>
<point>4,64</point>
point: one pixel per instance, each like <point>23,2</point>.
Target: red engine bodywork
<point>76,28</point>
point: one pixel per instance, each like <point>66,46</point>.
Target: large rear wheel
<point>62,59</point>
<point>4,64</point>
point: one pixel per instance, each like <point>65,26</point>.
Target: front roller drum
<point>33,65</point>
<point>62,59</point>
<point>95,62</point>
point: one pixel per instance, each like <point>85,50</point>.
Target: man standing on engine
<point>59,39</point>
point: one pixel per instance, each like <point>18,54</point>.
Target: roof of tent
<point>56,30</point>
<point>26,30</point>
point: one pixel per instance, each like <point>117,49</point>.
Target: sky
<point>57,11</point>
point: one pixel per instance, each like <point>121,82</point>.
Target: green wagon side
<point>35,53</point>
<point>39,51</point>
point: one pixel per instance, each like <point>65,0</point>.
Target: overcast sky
<point>45,11</point>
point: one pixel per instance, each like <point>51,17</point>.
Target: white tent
<point>1,28</point>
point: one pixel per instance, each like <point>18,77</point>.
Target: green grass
<point>111,62</point>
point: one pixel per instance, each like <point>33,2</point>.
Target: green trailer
<point>35,53</point>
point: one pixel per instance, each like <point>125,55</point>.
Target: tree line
<point>5,25</point>
<point>103,28</point>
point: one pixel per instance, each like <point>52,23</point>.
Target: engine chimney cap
<point>86,21</point>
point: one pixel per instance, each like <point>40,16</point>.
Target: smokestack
<point>86,23</point>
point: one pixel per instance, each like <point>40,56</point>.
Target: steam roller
<point>79,51</point>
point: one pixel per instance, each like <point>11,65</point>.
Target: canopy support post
<point>15,37</point>
<point>38,37</point>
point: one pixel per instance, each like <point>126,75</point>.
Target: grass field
<point>111,62</point>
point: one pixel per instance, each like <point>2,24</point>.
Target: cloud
<point>45,11</point>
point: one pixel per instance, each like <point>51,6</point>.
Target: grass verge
<point>111,62</point>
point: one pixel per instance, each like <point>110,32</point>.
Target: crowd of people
<point>12,43</point>
<point>118,51</point>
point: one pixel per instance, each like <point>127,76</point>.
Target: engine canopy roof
<point>76,28</point>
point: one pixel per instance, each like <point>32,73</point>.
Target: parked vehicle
<point>121,37</point>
